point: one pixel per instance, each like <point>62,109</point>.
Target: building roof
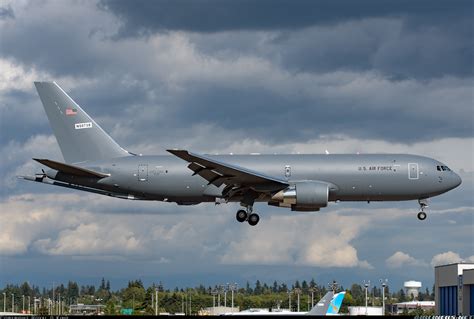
<point>452,264</point>
<point>416,303</point>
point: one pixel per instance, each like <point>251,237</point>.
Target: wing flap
<point>70,169</point>
<point>218,173</point>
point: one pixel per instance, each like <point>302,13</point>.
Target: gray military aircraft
<point>95,163</point>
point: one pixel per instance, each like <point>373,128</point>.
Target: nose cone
<point>456,180</point>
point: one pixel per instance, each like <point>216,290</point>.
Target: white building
<point>412,305</point>
<point>363,311</point>
<point>217,311</point>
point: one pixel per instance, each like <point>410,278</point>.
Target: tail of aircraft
<point>336,303</point>
<point>321,308</point>
<point>79,137</point>
<point>328,305</point>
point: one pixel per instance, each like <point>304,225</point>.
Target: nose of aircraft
<point>456,180</point>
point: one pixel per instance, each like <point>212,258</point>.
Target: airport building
<point>409,306</point>
<point>454,289</point>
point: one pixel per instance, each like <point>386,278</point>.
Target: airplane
<point>329,305</point>
<point>94,162</point>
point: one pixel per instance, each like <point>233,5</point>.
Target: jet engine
<point>303,196</point>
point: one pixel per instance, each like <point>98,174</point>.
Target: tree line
<point>190,300</point>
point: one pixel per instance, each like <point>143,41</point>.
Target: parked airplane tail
<point>336,303</point>
<point>79,137</point>
<point>321,308</point>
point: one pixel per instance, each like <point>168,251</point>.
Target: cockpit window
<point>438,168</point>
<point>442,168</point>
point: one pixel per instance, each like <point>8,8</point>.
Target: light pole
<point>13,302</point>
<point>191,302</point>
<point>4,302</point>
<point>333,286</point>
<point>298,292</point>
<point>225,294</point>
<point>133,303</point>
<point>182,303</point>
<point>214,293</point>
<point>29,302</point>
<point>52,309</point>
<point>289,300</point>
<point>312,296</point>
<point>156,301</point>
<point>384,284</point>
<point>366,285</point>
<point>233,287</point>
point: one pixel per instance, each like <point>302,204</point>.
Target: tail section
<point>336,303</point>
<point>79,137</point>
<point>321,308</point>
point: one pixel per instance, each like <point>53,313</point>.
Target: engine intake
<point>304,196</point>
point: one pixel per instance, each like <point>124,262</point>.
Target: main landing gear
<point>423,203</point>
<point>248,216</point>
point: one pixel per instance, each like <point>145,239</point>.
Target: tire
<point>241,216</point>
<point>253,219</point>
<point>421,215</point>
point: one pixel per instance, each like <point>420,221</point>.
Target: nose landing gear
<point>421,215</point>
<point>248,216</point>
<point>423,203</point>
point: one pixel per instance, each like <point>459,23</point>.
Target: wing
<point>70,169</point>
<point>219,173</point>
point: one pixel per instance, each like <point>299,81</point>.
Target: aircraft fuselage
<point>369,177</point>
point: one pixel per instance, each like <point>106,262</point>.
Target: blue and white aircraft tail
<point>327,306</point>
<point>335,303</point>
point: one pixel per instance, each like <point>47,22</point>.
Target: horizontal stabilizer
<point>70,169</point>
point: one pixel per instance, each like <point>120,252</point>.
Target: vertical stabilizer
<point>336,303</point>
<point>79,137</point>
<point>321,308</point>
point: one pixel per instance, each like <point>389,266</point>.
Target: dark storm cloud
<point>432,40</point>
<point>6,12</point>
<point>145,17</point>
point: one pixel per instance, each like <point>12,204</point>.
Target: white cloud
<point>401,259</point>
<point>449,257</point>
<point>311,240</point>
<point>91,239</point>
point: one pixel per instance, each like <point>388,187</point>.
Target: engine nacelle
<point>304,196</point>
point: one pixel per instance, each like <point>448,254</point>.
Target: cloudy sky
<point>237,76</point>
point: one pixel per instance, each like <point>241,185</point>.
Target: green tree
<point>417,312</point>
<point>133,297</point>
<point>258,288</point>
<point>110,308</point>
<point>348,301</point>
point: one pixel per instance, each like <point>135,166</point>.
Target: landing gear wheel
<point>241,216</point>
<point>253,219</point>
<point>421,215</point>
